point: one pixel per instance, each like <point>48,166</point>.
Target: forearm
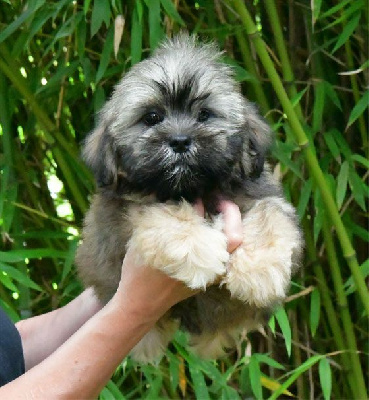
<point>43,334</point>
<point>82,365</point>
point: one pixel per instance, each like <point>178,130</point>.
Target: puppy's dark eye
<point>203,115</point>
<point>152,118</point>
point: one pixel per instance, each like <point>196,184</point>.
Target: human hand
<point>148,291</point>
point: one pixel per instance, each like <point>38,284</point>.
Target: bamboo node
<point>304,145</point>
<point>351,256</point>
<point>254,34</point>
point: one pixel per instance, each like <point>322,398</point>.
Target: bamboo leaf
<point>304,198</point>
<point>255,378</point>
<point>33,6</point>
<point>21,255</point>
<point>350,286</point>
<point>281,316</point>
<point>360,159</point>
<point>263,358</point>
<point>335,9</point>
<point>73,244</point>
<point>172,12</point>
<point>342,181</point>
<point>359,108</point>
<point>297,372</point>
<point>332,95</point>
<point>100,14</point>
<point>314,311</point>
<point>332,145</point>
<point>174,363</point>
<point>273,385</point>
<point>316,6</point>
<point>105,56</point>
<point>319,214</point>
<point>355,6</point>
<point>348,30</point>
<point>19,276</point>
<point>200,388</point>
<point>7,282</point>
<point>358,188</point>
<point>136,34</point>
<point>325,376</point>
<point>318,110</point>
<point>297,98</point>
<point>156,31</point>
<point>229,393</point>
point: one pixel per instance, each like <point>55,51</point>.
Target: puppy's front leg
<point>259,271</point>
<point>174,239</point>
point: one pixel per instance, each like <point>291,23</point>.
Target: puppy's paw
<point>259,271</point>
<point>151,348</point>
<point>174,239</point>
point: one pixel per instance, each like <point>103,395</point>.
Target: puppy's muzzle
<point>180,143</point>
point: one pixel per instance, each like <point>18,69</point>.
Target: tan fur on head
<point>177,128</point>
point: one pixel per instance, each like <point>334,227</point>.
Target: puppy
<point>177,129</point>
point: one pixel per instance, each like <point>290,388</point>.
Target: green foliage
<point>57,67</point>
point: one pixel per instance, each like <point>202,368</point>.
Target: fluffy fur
<point>177,128</point>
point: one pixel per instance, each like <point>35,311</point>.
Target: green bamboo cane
<point>248,61</point>
<point>303,142</point>
<point>344,311</point>
<point>250,65</point>
<point>287,71</point>
<point>329,309</point>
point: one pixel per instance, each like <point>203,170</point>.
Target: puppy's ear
<point>99,154</point>
<point>258,140</point>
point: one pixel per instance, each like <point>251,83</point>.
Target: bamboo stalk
<point>344,312</point>
<point>329,309</point>
<point>307,150</point>
<point>287,71</point>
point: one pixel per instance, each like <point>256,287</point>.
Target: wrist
<point>136,309</point>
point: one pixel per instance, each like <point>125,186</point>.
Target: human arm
<point>43,334</point>
<point>84,363</point>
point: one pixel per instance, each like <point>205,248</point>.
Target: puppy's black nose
<point>180,143</point>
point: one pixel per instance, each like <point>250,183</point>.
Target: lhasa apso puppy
<point>177,129</point>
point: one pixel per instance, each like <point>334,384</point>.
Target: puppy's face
<point>177,126</point>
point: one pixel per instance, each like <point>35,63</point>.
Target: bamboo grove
<point>305,63</point>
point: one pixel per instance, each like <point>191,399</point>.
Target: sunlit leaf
<point>273,385</point>
<point>325,376</point>
<point>255,378</point>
